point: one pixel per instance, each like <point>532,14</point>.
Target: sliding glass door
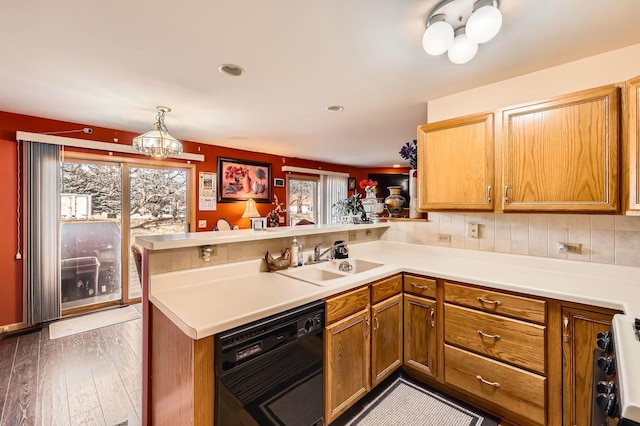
<point>104,206</point>
<point>90,233</point>
<point>157,205</point>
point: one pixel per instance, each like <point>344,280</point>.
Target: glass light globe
<point>437,38</point>
<point>462,50</point>
<point>483,24</point>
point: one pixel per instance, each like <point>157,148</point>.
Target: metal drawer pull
<point>488,193</point>
<point>366,328</point>
<point>433,319</point>
<point>486,382</point>
<point>377,326</point>
<point>420,287</point>
<point>489,302</point>
<point>492,336</point>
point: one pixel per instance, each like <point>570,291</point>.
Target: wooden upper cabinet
<point>456,164</point>
<point>632,147</point>
<point>562,154</point>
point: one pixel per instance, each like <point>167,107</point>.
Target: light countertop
<point>191,239</point>
<point>206,301</point>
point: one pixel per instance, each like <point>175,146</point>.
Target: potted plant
<point>350,209</point>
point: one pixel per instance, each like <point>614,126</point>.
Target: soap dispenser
<point>295,250</point>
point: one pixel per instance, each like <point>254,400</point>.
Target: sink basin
<point>324,273</point>
<point>357,265</point>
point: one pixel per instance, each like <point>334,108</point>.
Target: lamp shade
<point>484,23</point>
<point>250,209</point>
<point>438,36</point>
<point>462,50</point>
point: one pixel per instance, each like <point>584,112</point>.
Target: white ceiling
<point>109,63</point>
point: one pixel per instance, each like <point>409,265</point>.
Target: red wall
<point>11,282</point>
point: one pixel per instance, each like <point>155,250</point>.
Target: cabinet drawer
<point>346,304</point>
<point>496,302</point>
<point>386,288</point>
<point>505,339</point>
<point>421,286</point>
<point>517,390</point>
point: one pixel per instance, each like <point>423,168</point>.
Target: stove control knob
<point>607,364</point>
<point>308,325</point>
<point>606,387</point>
<point>608,404</point>
<point>604,341</point>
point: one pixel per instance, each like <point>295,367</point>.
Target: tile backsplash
<point>603,239</point>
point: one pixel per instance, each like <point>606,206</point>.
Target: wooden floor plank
<point>23,385</point>
<point>127,364</point>
<point>114,398</point>
<point>53,382</point>
<point>92,417</point>
<point>81,389</point>
<point>52,402</point>
<point>7,356</point>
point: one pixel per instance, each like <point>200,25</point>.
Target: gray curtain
<point>41,232</point>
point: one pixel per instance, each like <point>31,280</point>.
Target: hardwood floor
<point>91,378</point>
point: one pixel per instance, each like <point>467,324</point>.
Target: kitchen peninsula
<point>187,301</point>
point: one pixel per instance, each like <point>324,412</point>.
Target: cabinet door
<point>456,164</point>
<point>346,372</point>
<point>420,344</point>
<point>632,147</point>
<point>579,331</point>
<point>386,338</point>
<point>562,154</point>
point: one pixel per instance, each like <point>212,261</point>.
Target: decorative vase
<point>370,192</point>
<point>413,194</point>
<point>394,201</point>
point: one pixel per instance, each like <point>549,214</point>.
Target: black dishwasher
<point>269,372</point>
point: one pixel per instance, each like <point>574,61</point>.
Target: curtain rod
<point>313,171</point>
<point>89,144</point>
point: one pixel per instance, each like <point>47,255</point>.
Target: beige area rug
<point>88,322</point>
<point>405,402</point>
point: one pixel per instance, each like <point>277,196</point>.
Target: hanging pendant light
<point>158,143</point>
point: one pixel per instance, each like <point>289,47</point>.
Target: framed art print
<point>242,179</point>
<point>352,184</point>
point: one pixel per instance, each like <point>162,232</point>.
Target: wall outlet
<point>573,248</point>
<point>202,224</point>
<point>353,235</point>
<point>280,219</point>
<point>473,230</point>
<point>444,238</point>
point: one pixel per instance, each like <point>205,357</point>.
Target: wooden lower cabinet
<point>346,363</point>
<point>580,327</point>
<point>516,390</point>
<point>420,342</point>
<point>386,338</point>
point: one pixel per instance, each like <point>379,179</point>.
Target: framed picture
<point>278,182</point>
<point>352,184</point>
<point>242,179</point>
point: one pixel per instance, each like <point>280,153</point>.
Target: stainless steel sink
<point>325,273</point>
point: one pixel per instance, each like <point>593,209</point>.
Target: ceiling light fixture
<point>158,143</point>
<point>458,26</point>
<point>337,108</point>
<point>232,70</point>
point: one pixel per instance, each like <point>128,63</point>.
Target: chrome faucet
<point>317,255</point>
